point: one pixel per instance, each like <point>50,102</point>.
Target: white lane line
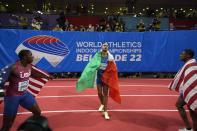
<point>119,85</point>
<point>74,79</point>
<point>116,110</point>
<point>147,85</point>
<point>97,95</point>
<point>120,79</point>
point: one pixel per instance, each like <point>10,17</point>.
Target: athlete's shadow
<point>148,119</point>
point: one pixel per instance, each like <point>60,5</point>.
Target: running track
<point>147,105</point>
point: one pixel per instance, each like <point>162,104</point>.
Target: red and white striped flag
<point>185,82</point>
<point>35,84</point>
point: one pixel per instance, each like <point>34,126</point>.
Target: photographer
<point>35,123</point>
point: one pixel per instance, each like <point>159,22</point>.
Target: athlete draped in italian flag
<point>101,71</point>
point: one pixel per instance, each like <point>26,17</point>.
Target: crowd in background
<point>105,24</point>
<point>154,26</point>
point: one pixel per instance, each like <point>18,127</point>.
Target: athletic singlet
<point>18,85</point>
<point>104,63</point>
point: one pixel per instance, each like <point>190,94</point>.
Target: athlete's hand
<point>50,77</point>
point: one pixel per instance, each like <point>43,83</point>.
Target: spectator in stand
<point>24,22</point>
<point>140,26</point>
<point>102,24</point>
<point>37,21</point>
<point>82,28</point>
<point>171,26</point>
<point>71,28</point>
<point>14,20</point>
<point>90,28</point>
<point>66,25</point>
<point>156,24</point>
<point>150,27</point>
<point>36,24</point>
<point>75,28</point>
<point>113,24</point>
<point>61,21</point>
<point>57,28</point>
<point>110,20</point>
<point>122,25</point>
<point>108,28</point>
<point>97,28</point>
<point>117,29</point>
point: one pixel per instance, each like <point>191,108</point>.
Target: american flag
<point>35,84</point>
<point>185,82</point>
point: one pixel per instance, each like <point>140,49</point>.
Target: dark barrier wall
<point>71,51</point>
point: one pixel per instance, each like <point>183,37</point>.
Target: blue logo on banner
<point>44,46</point>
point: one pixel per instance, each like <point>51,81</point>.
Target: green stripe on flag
<point>88,75</point>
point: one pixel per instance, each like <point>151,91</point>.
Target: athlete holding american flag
<point>185,82</point>
<point>22,76</point>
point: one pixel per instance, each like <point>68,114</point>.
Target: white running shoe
<point>106,115</point>
<point>185,129</point>
<point>101,107</point>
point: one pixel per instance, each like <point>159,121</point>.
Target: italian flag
<point>109,77</point>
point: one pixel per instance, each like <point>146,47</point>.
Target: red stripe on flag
<point>39,71</point>
<point>35,84</point>
<point>180,79</point>
<point>191,74</point>
<point>192,99</point>
<point>179,83</point>
<point>110,77</point>
<point>182,76</point>
<point>171,84</point>
<point>34,91</point>
<point>186,92</point>
<point>39,79</point>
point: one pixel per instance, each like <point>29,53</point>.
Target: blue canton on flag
<point>4,74</point>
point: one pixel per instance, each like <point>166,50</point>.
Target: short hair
<point>189,52</point>
<point>105,44</point>
<point>23,53</point>
<point>30,127</point>
<point>35,123</point>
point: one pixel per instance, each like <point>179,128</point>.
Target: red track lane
<point>147,105</point>
<point>124,90</point>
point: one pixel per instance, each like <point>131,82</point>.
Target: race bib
<point>103,66</point>
<point>22,86</point>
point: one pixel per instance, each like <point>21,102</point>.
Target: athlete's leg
<point>100,94</point>
<point>179,104</point>
<point>194,119</point>
<point>105,100</point>
<point>8,122</point>
<point>105,97</point>
<point>30,104</point>
<point>10,111</point>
